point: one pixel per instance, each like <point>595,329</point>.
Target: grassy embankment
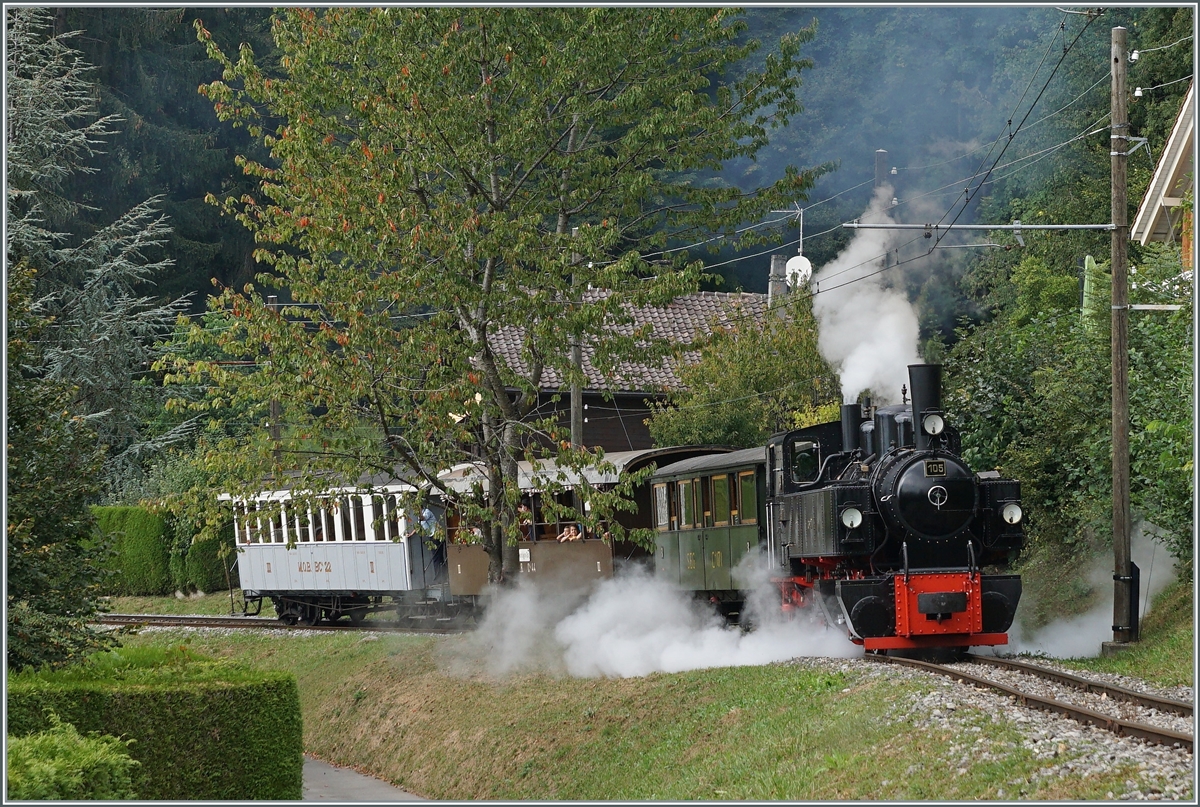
<point>389,705</point>
<point>1165,653</point>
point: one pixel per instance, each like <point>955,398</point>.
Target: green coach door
<point>666,537</point>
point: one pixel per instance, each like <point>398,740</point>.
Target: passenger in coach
<point>426,525</point>
<point>571,533</point>
<point>525,520</point>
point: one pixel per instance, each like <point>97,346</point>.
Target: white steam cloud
<point>868,331</point>
<point>1081,636</point>
<point>633,625</point>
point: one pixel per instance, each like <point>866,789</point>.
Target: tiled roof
<point>681,322</point>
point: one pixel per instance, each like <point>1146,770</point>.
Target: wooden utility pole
<point>273,427</point>
<point>577,362</point>
<point>881,174</point>
<point>1124,627</point>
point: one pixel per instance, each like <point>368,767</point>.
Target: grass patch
<point>1164,655</point>
<point>215,604</point>
<point>385,704</point>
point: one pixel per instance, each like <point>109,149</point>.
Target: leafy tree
<point>102,335</point>
<point>751,381</point>
<point>53,559</point>
<point>1161,402</point>
<point>433,166</point>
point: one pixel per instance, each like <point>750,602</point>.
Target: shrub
<point>60,763</point>
<point>204,729</point>
<point>196,564</point>
<point>142,560</point>
<point>37,638</point>
<point>204,567</point>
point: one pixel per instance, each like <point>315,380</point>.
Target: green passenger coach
<point>709,512</point>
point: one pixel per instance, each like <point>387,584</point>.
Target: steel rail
<point>1117,693</point>
<point>260,623</point>
<point>1117,726</point>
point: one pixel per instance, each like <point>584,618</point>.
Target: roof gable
<point>1154,221</point>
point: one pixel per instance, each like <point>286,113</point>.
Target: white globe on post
<point>799,270</point>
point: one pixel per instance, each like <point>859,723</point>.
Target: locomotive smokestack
<point>925,381</point>
<point>851,417</point>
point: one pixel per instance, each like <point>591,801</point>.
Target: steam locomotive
<point>873,523</point>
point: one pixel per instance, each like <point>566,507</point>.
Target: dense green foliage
<point>1031,382</point>
<point>60,764</point>
<point>142,553</point>
<point>55,565</point>
<point>750,381</point>
<point>202,729</point>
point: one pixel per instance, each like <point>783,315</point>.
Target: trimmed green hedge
<point>154,555</point>
<point>142,559</point>
<point>203,729</point>
<point>62,764</point>
<point>206,571</point>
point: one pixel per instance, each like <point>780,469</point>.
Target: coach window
<point>720,500</point>
<point>748,496</point>
<point>253,526</point>
<point>240,534</point>
<point>393,518</point>
<point>347,526</point>
<point>704,501</point>
<point>356,513</point>
<point>661,518</point>
<point>279,525</point>
<point>300,522</point>
<point>325,523</point>
<point>687,507</point>
<point>375,511</point>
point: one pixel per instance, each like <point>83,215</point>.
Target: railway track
<point>261,623</point>
<point>1073,696</point>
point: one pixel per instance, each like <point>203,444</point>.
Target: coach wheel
<point>310,615</point>
<point>287,612</point>
<point>357,615</point>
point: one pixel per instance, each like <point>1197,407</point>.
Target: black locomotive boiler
<point>877,521</point>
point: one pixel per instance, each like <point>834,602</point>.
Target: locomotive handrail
<point>821,471</point>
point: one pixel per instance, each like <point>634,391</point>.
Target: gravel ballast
<point>1068,747</point>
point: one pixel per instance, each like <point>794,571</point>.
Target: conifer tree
<point>100,337</point>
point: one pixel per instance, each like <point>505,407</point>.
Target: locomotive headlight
<point>851,517</point>
<point>933,424</point>
<point>1011,513</point>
